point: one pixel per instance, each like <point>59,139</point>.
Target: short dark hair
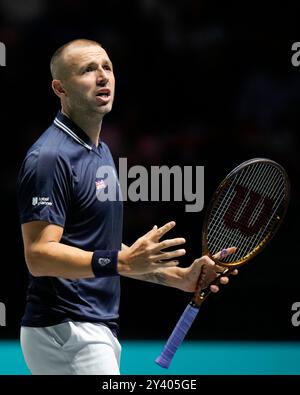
<point>59,52</point>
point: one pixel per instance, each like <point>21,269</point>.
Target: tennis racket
<point>245,212</point>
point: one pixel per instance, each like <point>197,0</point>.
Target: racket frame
<point>268,237</point>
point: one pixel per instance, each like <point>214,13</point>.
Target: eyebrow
<point>93,63</point>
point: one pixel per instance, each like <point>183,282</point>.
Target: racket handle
<point>177,336</point>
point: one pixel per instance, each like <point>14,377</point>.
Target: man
<point>72,239</point>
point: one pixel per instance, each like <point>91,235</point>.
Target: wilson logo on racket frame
<point>253,199</point>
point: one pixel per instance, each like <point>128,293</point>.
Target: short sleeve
<point>44,187</point>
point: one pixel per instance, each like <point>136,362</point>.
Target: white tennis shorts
<point>71,348</point>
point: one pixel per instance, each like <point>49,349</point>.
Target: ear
<point>58,88</point>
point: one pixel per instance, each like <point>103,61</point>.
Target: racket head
<point>246,211</point>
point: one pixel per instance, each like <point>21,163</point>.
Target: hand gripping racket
<point>245,212</point>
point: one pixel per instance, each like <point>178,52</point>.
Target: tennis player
<point>73,240</point>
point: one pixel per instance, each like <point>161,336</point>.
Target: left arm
<point>169,276</point>
<point>200,273</point>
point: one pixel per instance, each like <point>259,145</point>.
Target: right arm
<point>46,256</point>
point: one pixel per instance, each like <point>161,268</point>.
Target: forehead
<point>76,56</point>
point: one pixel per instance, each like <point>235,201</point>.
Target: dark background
<point>197,83</point>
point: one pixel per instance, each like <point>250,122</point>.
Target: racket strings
<point>274,189</point>
<point>219,209</point>
<point>262,189</point>
<point>245,244</point>
<point>260,204</point>
<point>270,224</point>
<point>224,201</point>
<point>277,195</point>
<point>230,194</point>
<point>271,189</point>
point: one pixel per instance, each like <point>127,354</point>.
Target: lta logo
<point>2,54</point>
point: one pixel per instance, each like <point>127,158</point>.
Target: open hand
<point>146,255</point>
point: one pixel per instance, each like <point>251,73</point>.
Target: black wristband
<point>104,263</point>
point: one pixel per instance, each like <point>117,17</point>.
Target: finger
<point>152,231</point>
<point>170,255</point>
<point>224,253</point>
<point>224,280</point>
<point>204,260</point>
<point>164,229</point>
<point>207,275</point>
<point>169,243</point>
<point>214,288</point>
<point>220,269</point>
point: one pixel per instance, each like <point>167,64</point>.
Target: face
<point>89,83</point>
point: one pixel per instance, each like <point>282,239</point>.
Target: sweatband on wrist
<point>104,263</point>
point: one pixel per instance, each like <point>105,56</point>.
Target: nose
<point>102,77</point>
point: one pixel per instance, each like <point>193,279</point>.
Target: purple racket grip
<point>177,336</point>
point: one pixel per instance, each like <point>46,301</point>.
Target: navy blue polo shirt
<point>60,183</point>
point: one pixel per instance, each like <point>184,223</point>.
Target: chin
<point>104,109</point>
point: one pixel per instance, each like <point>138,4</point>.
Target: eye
<point>88,69</point>
<point>107,67</point>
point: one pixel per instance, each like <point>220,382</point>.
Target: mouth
<point>103,95</point>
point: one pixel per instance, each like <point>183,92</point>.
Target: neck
<point>90,125</point>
